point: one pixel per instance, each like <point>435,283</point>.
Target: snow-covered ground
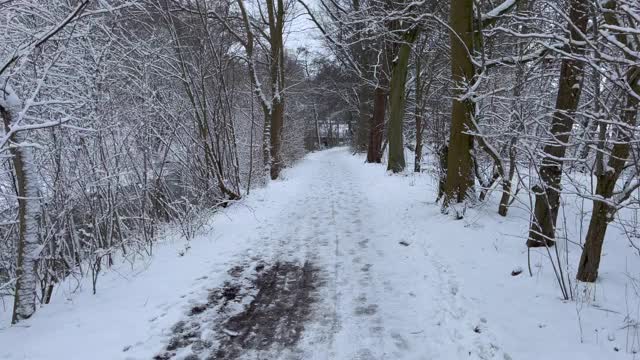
<point>394,279</point>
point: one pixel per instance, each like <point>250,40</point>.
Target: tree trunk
<point>418,150</point>
<point>443,155</point>
<point>397,101</point>
<point>547,198</point>
<point>603,212</point>
<point>376,132</point>
<point>503,208</point>
<point>417,162</point>
<point>276,14</point>
<point>28,244</point>
<point>317,127</point>
<point>363,124</point>
<point>277,122</point>
<point>266,144</point>
<point>28,247</point>
<point>516,118</point>
<point>460,180</point>
<point>590,258</point>
<point>380,94</point>
<point>273,110</point>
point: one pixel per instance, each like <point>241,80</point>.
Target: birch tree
<point>19,118</point>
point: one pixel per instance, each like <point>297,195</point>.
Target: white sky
<point>302,32</point>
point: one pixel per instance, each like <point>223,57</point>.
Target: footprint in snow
<point>399,341</point>
<point>369,310</point>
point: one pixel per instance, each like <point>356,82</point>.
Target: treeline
<point>531,97</point>
<point>123,116</point>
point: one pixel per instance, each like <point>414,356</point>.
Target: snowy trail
<point>374,298</point>
<point>379,299</point>
<point>338,261</point>
<point>392,300</point>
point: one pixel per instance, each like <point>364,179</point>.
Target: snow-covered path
<point>383,276</point>
<point>390,296</point>
<point>382,293</point>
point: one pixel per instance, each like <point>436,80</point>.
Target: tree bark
<point>418,150</point>
<point>547,193</point>
<point>28,243</point>
<point>417,161</point>
<point>443,156</point>
<point>363,124</point>
<point>274,110</point>
<point>503,207</point>
<point>276,14</point>
<point>460,180</point>
<point>603,207</point>
<point>516,118</point>
<point>277,124</point>
<point>376,132</point>
<point>396,161</point>
<point>28,247</point>
<point>317,128</point>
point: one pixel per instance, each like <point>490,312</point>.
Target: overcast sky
<point>302,32</point>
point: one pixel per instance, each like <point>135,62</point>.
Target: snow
<point>498,10</point>
<point>400,280</point>
<point>9,99</point>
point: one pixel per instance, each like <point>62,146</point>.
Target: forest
<point>129,122</point>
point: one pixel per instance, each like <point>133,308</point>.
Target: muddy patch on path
<point>262,308</point>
